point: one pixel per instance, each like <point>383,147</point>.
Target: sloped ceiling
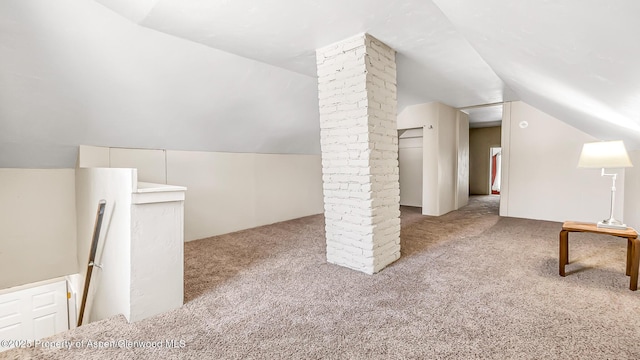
<point>135,73</point>
<point>74,72</point>
<point>435,62</point>
<point>574,59</point>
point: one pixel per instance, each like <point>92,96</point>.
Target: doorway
<point>495,170</point>
<point>410,163</point>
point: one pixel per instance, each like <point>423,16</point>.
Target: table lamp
<point>606,154</point>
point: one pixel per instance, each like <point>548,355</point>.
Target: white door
<point>33,313</point>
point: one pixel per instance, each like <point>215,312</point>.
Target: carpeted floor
<point>469,285</point>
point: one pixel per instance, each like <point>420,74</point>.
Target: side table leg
<point>635,260</point>
<point>629,257</point>
<point>564,251</point>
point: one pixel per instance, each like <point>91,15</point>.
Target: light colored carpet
<point>469,285</point>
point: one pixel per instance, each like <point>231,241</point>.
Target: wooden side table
<point>633,246</point>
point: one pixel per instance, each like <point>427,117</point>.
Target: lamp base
<point>612,224</point>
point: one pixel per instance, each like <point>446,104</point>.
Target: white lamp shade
<point>604,154</point>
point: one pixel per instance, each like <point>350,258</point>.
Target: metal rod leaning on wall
<point>92,257</point>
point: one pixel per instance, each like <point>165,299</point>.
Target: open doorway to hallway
<point>485,153</point>
<point>495,169</point>
<point>484,150</point>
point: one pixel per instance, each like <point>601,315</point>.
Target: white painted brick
<point>383,146</point>
<point>357,105</point>
<point>358,163</point>
<point>327,110</point>
<point>347,106</point>
<point>381,263</point>
<point>358,146</point>
<point>389,247</point>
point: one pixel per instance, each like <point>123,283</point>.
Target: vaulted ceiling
<point>135,72</point>
<point>435,62</point>
<point>575,59</point>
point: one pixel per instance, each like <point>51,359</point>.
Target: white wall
<point>83,74</point>
<point>93,156</point>
<point>430,157</point>
<point>287,187</point>
<point>462,195</point>
<point>632,191</point>
<point>448,158</point>
<point>151,163</point>
<point>540,178</point>
<point>418,116</point>
<point>37,225</point>
<point>110,286</point>
<point>442,155</point>
<point>226,191</point>
<point>232,191</point>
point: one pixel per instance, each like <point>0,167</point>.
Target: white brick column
<point>359,141</point>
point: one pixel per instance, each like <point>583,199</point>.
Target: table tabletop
<point>576,226</point>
